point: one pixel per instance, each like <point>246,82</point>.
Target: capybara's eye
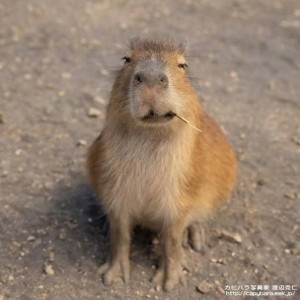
<point>182,66</point>
<point>127,59</point>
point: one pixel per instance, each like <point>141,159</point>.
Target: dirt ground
<point>56,63</point>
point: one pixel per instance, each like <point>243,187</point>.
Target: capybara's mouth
<point>153,117</point>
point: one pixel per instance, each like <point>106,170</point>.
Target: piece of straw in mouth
<point>187,122</point>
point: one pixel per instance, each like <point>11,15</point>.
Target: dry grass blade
<point>187,122</point>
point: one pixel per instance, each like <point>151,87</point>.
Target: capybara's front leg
<point>119,265</point>
<point>170,272</point>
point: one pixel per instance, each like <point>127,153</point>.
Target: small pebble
<point>155,241</point>
<point>290,195</point>
<point>220,290</point>
<point>225,274</point>
<point>204,287</point>
<point>62,235</point>
<point>83,41</point>
<point>11,278</point>
<point>99,100</point>
<point>138,293</point>
<point>234,75</point>
<point>290,24</point>
<point>48,184</point>
<point>31,238</point>
<point>66,75</point>
<point>221,261</point>
<point>123,25</point>
<point>18,152</point>
<point>27,77</point>
<point>94,112</point>
<point>295,251</point>
<point>297,13</point>
<point>51,256</point>
<point>81,142</point>
<point>204,83</point>
<point>48,270</point>
<point>104,72</point>
<point>232,237</point>
<point>72,225</point>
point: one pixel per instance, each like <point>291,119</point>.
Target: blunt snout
<point>150,92</point>
<point>150,79</point>
<point>150,73</point>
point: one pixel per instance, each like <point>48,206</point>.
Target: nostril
<point>163,80</point>
<point>138,78</point>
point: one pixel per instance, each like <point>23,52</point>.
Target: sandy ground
<point>56,62</point>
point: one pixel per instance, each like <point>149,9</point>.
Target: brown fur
<point>166,177</point>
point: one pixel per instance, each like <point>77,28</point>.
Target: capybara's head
<point>153,83</point>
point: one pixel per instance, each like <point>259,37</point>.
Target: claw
<point>182,280</point>
<point>169,282</point>
<point>113,271</point>
<point>197,237</point>
<point>108,278</point>
<point>169,285</point>
<point>172,282</point>
<point>158,277</point>
<point>125,272</point>
<point>185,239</point>
<point>103,268</point>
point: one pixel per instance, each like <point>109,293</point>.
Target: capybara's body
<point>152,169</point>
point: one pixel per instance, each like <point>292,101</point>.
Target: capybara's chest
<point>144,181</point>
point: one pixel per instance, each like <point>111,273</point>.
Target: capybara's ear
<point>134,42</point>
<point>183,47</point>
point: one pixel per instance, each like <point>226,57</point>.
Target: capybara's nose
<point>151,79</point>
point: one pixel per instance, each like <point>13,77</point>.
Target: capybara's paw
<point>174,279</point>
<point>169,281</point>
<point>113,271</point>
